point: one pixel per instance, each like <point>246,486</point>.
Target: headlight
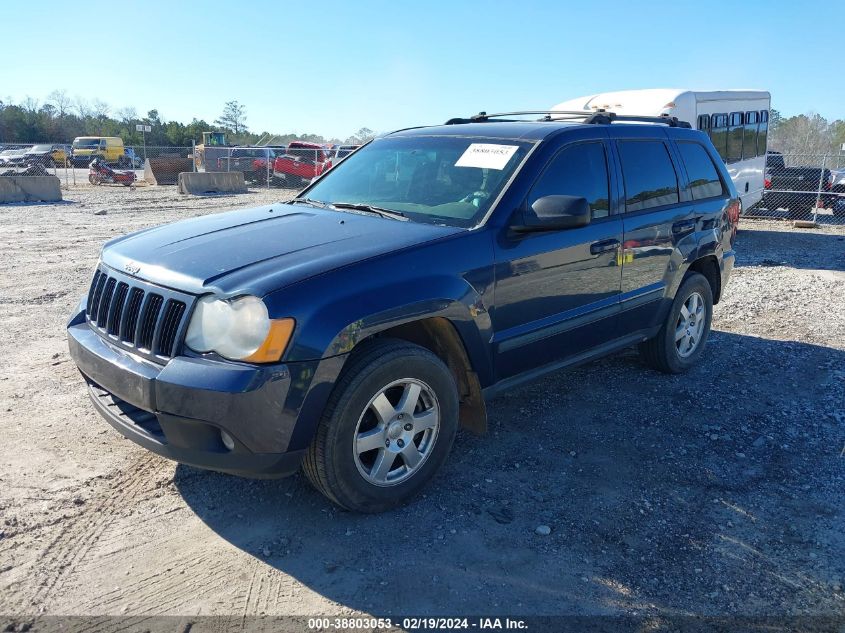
<point>239,329</point>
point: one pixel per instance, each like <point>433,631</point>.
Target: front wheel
<point>680,341</point>
<point>387,428</point>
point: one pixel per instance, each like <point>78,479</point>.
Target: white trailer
<point>737,122</point>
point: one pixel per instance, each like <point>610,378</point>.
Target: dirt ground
<point>718,492</point>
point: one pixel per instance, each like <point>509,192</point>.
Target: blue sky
<point>330,67</point>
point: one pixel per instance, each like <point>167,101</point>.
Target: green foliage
<point>61,119</point>
<point>808,134</point>
<point>233,119</point>
<point>364,135</point>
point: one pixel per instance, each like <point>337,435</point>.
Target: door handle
<point>684,226</point>
<point>605,246</point>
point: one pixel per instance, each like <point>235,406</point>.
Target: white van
<point>737,122</point>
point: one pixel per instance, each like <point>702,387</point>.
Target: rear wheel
<point>388,427</point>
<point>680,342</point>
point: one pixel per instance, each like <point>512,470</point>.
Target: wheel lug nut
<point>401,443</point>
<point>408,427</point>
<point>401,415</point>
<point>387,442</point>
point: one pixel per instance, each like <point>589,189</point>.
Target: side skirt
<point>597,352</point>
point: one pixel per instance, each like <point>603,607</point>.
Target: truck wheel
<point>680,341</point>
<point>387,428</point>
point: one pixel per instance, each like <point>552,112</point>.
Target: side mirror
<point>552,213</point>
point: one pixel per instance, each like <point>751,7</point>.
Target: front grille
<point>147,319</point>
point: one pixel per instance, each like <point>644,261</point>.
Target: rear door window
<point>719,134</point>
<point>763,134</point>
<point>735,133</point>
<point>579,170</point>
<point>703,177</point>
<point>649,175</point>
<point>749,137</point>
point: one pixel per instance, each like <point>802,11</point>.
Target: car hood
<point>260,250</point>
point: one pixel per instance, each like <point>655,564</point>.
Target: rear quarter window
<point>649,175</point>
<point>703,176</point>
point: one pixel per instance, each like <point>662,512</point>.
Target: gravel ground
<point>715,493</point>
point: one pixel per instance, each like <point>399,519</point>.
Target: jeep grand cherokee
<point>353,329</point>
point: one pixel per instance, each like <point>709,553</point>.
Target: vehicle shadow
<point>795,247</point>
<point>715,492</point>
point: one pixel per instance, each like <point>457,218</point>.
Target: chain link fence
<point>112,165</point>
<point>36,159</point>
<point>289,167</point>
<point>804,187</point>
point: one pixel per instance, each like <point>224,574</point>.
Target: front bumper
<point>178,410</point>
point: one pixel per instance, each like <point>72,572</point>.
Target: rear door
<point>557,292</point>
<point>658,215</point>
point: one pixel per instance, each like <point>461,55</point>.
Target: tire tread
<point>314,463</point>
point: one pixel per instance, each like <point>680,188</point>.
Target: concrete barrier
<point>29,189</point>
<point>201,182</point>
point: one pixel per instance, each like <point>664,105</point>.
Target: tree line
<point>810,134</point>
<point>60,118</point>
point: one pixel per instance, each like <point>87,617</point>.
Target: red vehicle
<point>99,173</point>
<point>301,162</point>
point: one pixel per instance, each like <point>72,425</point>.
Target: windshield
<point>86,142</point>
<point>434,179</point>
<point>41,148</point>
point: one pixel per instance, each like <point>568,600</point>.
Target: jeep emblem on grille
<point>132,268</point>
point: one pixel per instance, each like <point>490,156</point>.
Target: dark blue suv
<point>353,329</point>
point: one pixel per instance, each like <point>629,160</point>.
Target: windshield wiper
<point>311,201</point>
<point>360,206</point>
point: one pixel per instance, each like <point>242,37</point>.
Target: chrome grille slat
<point>169,323</point>
<point>99,282</point>
<point>148,319</point>
<point>149,322</point>
<point>105,302</point>
<point>116,309</point>
<point>130,316</point>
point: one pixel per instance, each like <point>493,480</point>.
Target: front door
<point>557,292</point>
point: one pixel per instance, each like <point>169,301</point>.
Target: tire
<point>665,353</point>
<point>334,463</point>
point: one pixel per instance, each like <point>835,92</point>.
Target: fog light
<point>228,442</point>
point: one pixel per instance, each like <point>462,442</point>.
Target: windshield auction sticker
<point>486,156</point>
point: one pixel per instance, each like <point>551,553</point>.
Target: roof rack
<point>599,117</point>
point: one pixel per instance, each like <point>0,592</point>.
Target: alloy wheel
<point>396,432</point>
<point>690,326</point>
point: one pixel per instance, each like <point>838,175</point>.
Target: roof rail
<point>483,117</point>
<point>609,117</point>
<point>600,117</point>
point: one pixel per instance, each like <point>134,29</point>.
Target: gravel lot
<point>718,492</point>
